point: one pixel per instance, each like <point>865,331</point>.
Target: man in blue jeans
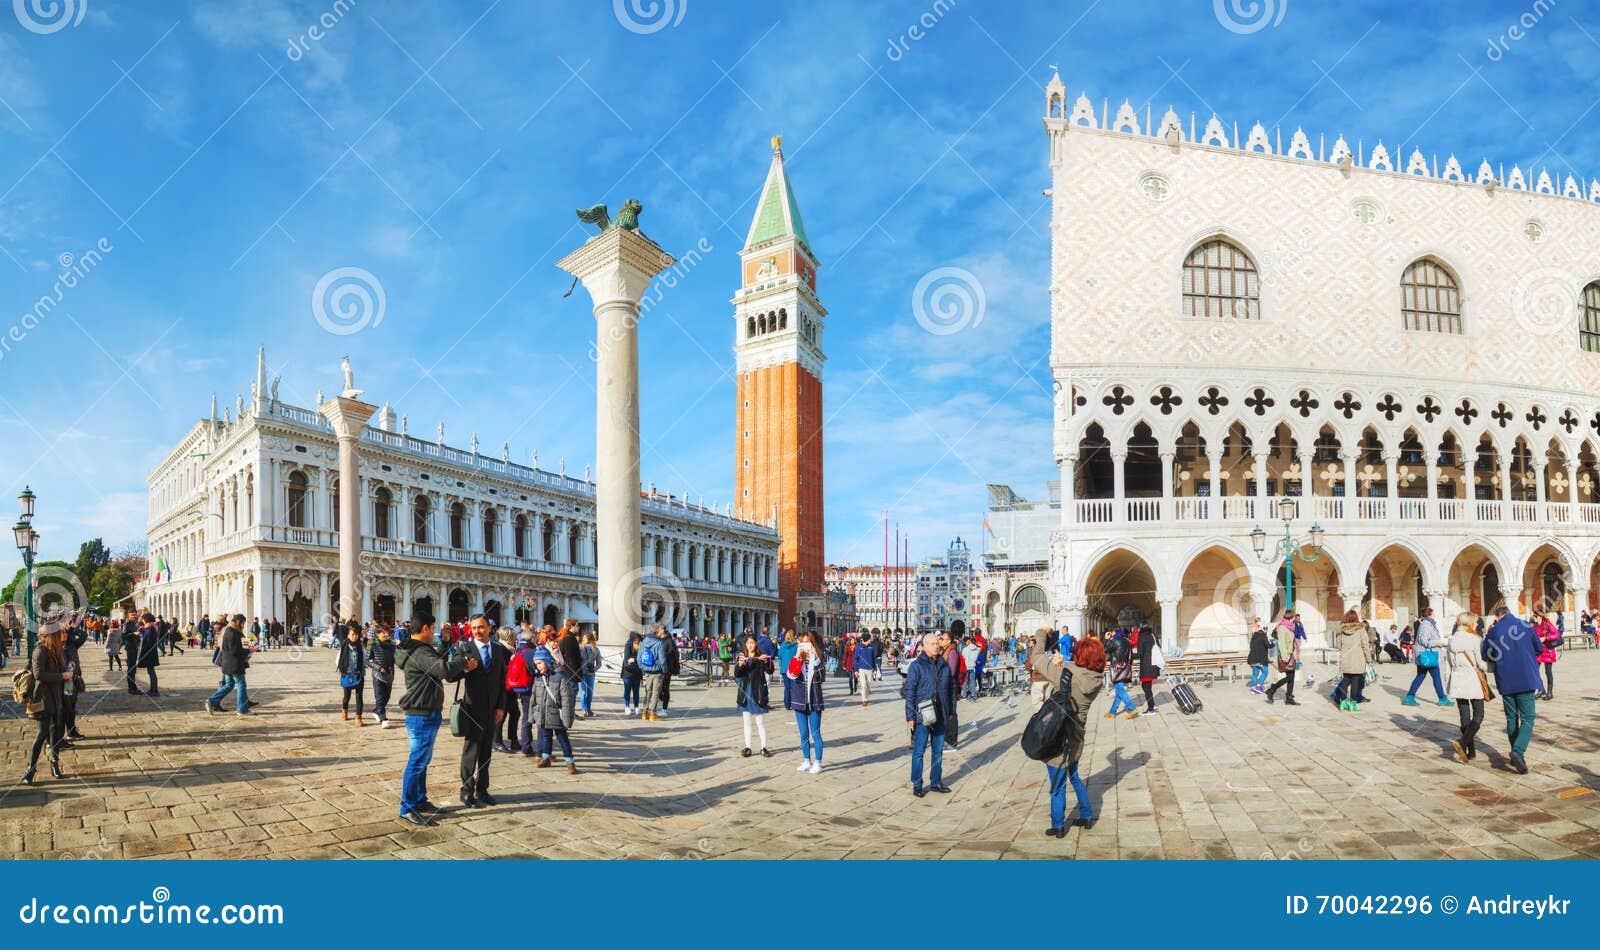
<point>1512,648</point>
<point>234,659</point>
<point>928,681</point>
<point>425,665</point>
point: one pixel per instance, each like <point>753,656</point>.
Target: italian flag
<point>162,571</point>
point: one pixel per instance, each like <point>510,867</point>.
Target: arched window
<point>761,323</point>
<point>419,519</point>
<point>547,545</point>
<point>491,522</point>
<point>1430,298</point>
<point>1220,283</point>
<point>519,541</point>
<point>458,522</point>
<point>749,326</point>
<point>1589,318</point>
<point>574,545</point>
<point>297,499</point>
<point>783,319</point>
<point>1029,598</point>
<point>381,505</point>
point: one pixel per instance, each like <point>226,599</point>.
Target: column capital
<point>1349,594</point>
<point>347,416</point>
<point>616,267</point>
<point>1436,593</point>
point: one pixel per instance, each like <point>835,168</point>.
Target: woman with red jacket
<point>1549,637</point>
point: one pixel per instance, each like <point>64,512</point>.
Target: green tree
<point>13,591</point>
<point>92,556</point>
<point>115,582</point>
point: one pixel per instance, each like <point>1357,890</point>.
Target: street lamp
<point>1288,547</point>
<point>27,541</point>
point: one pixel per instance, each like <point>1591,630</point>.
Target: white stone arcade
<point>245,511</point>
<point>1414,353</point>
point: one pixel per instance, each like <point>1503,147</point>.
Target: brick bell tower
<point>778,345</point>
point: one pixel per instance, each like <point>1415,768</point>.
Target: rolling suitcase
<point>1188,701</point>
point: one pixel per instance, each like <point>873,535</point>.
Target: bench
<point>1204,665</point>
<point>1578,641</point>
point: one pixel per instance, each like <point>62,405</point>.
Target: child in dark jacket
<point>553,704</point>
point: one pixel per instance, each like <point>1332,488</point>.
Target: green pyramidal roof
<point>778,215</point>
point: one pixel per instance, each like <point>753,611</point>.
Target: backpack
<point>649,657</point>
<point>22,686</point>
<point>517,671</point>
<point>1046,733</point>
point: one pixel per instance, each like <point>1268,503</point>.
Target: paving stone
<point>1241,780</point>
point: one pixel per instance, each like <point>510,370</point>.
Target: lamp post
<point>1288,547</point>
<point>27,541</point>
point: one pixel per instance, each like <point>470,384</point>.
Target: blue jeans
<point>1059,778</point>
<point>810,726</point>
<point>1121,690</point>
<point>414,785</point>
<point>560,736</point>
<point>1258,675</point>
<point>630,692</point>
<point>919,742</point>
<point>1422,674</point>
<point>229,681</point>
<point>586,693</point>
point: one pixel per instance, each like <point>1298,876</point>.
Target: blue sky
<point>442,147</point>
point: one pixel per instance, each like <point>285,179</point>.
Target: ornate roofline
<point>1060,118</point>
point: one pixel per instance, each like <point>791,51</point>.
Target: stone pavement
<point>160,778</point>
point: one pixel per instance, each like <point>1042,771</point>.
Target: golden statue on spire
<point>777,143</point>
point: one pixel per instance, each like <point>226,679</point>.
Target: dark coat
<point>425,666</point>
<point>552,702</point>
<point>751,675</point>
<point>569,656</point>
<point>49,677</point>
<point>1513,648</point>
<point>929,678</point>
<point>352,658</point>
<point>380,657</point>
<point>1260,646</point>
<point>149,646</point>
<point>233,658</point>
<point>802,698</point>
<point>630,662</point>
<point>483,689</point>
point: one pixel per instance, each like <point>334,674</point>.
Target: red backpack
<point>517,672</point>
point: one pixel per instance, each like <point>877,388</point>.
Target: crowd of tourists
<point>520,690</point>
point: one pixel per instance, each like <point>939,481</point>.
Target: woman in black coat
<point>149,652</point>
<point>632,676</point>
<point>352,667</point>
<point>750,672</point>
<point>52,674</point>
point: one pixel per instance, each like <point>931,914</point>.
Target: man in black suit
<point>482,706</point>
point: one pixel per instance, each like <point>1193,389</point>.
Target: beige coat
<point>1461,668</point>
<point>1355,650</point>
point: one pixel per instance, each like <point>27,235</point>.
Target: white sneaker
<point>805,766</point>
<point>1150,712</point>
<point>387,724</point>
<point>661,714</point>
<point>816,768</point>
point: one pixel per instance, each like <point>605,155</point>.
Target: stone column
<point>1214,481</point>
<point>349,417</point>
<point>1169,620</point>
<point>1505,497</point>
<point>616,268</point>
<point>1069,489</point>
<point>1119,504</point>
<point>1572,497</point>
<point>1167,506</point>
<point>1391,480</point>
<point>1261,484</point>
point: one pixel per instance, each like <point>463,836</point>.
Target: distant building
<point>830,612</point>
<point>882,602</point>
<point>1011,583</point>
<point>944,588</point>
